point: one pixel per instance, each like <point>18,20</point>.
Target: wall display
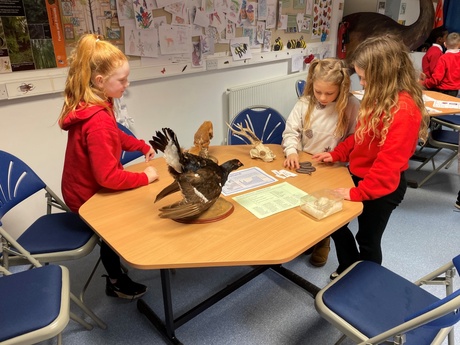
<point>162,31</point>
<point>30,36</point>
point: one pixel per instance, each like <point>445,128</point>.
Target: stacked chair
<point>53,237</point>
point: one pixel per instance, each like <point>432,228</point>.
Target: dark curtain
<point>452,15</point>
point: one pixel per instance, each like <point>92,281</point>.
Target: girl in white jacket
<point>322,117</point>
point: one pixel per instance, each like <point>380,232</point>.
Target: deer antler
<point>245,132</point>
<point>259,150</point>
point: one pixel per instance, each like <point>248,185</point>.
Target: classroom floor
<point>423,233</point>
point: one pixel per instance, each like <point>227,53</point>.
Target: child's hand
<point>152,174</point>
<point>422,77</point>
<point>292,161</point>
<point>344,192</point>
<point>149,155</point>
<point>325,157</point>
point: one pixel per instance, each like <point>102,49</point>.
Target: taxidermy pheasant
<point>199,179</point>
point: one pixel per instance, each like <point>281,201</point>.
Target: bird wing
<point>172,188</point>
<point>179,210</point>
<point>200,190</point>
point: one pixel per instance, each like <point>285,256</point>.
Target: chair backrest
<point>299,87</point>
<point>17,182</point>
<point>266,123</point>
<point>128,156</point>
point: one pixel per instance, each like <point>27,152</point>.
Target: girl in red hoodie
<point>98,73</point>
<point>392,117</point>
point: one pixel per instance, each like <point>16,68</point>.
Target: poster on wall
<point>30,36</point>
<point>322,14</point>
<point>91,16</point>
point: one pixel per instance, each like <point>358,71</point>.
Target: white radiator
<point>278,93</point>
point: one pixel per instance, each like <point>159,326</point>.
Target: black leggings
<point>111,261</point>
<point>371,225</point>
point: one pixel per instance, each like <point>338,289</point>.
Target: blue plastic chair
<point>128,156</point>
<point>53,237</point>
<point>299,87</point>
<point>34,304</point>
<point>444,134</point>
<point>266,123</point>
<point>371,304</point>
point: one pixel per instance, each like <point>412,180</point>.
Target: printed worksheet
<point>271,200</point>
<point>246,179</point>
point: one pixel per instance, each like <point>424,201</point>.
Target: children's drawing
<point>262,10</point>
<point>143,14</point>
<point>271,14</point>
<point>141,42</point>
<point>267,40</point>
<point>125,12</point>
<point>196,55</point>
<point>251,13</point>
<point>251,33</point>
<point>231,29</point>
<point>233,13</point>
<point>260,32</point>
<point>239,48</point>
<point>175,39</point>
<point>322,13</point>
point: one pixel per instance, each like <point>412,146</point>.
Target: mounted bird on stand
<point>362,25</point>
<point>200,180</point>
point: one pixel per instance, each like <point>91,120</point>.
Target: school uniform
<point>446,75</point>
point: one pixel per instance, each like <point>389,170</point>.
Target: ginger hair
<point>91,57</point>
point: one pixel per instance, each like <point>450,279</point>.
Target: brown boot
<point>320,252</point>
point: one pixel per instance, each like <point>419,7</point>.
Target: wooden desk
<point>128,221</point>
<point>439,96</point>
<point>419,156</point>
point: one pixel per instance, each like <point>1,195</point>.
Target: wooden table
<point>128,221</point>
<point>439,96</point>
<point>419,156</point>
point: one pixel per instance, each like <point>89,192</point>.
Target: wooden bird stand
<point>220,210</point>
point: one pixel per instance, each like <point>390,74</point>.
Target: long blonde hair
<point>329,70</point>
<point>388,70</point>
<point>92,56</point>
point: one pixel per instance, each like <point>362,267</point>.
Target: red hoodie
<point>381,166</point>
<point>92,158</point>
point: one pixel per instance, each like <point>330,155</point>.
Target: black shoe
<point>124,288</point>
<point>457,204</point>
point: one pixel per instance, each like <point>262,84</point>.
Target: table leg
<point>170,324</point>
<point>311,288</point>
<point>166,328</point>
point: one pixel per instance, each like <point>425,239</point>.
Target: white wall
<point>410,16</point>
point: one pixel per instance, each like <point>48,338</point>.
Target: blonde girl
<point>321,118</point>
<point>392,119</point>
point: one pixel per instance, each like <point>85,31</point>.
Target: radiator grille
<point>278,93</point>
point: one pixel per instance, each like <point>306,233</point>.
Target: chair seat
<point>451,119</point>
<point>444,137</point>
<point>373,299</point>
<point>30,300</point>
<point>63,232</point>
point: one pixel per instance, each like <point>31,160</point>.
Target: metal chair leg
<point>88,311</point>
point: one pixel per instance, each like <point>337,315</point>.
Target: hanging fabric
<point>439,15</point>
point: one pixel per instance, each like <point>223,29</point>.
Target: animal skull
<point>259,150</point>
